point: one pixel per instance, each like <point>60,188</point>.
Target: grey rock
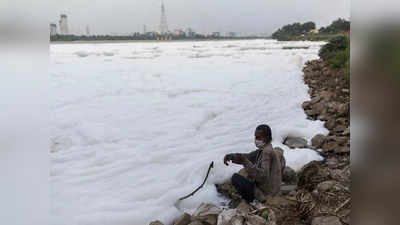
<point>286,189</point>
<point>326,185</point>
<point>344,149</point>
<point>337,139</point>
<point>330,146</point>
<point>255,220</point>
<point>311,112</point>
<point>157,222</point>
<point>346,131</point>
<point>326,220</point>
<point>207,209</point>
<point>196,222</point>
<point>209,219</point>
<point>289,176</point>
<point>343,109</point>
<point>244,207</point>
<point>183,220</point>
<point>306,105</point>
<point>332,162</point>
<point>207,213</point>
<point>339,128</point>
<point>315,99</point>
<point>295,142</point>
<point>323,117</point>
<point>230,217</point>
<point>320,108</point>
<point>326,95</point>
<point>318,140</point>
<point>330,124</point>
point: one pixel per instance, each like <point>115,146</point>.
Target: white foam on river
<point>136,125</point>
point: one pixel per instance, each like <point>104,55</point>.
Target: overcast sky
<point>244,16</point>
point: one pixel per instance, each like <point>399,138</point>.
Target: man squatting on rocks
<point>263,166</point>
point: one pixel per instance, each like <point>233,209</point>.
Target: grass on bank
<point>336,53</point>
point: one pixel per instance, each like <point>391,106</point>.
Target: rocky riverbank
<point>319,194</point>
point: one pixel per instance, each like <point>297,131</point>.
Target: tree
<point>289,31</point>
<point>338,26</point>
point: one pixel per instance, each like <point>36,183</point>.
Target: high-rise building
<point>163,22</point>
<point>63,23</point>
<point>144,29</point>
<point>87,30</point>
<point>190,32</point>
<point>53,29</point>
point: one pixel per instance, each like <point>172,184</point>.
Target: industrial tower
<point>87,30</point>
<point>53,29</point>
<point>163,22</point>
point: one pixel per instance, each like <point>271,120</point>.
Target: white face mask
<point>259,143</point>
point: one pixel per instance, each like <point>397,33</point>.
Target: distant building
<point>190,32</point>
<point>314,31</point>
<point>87,30</point>
<point>63,24</point>
<point>231,34</point>
<point>144,29</point>
<point>178,32</point>
<point>216,34</point>
<point>53,29</point>
<point>163,21</point>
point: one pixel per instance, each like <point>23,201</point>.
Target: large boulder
<point>326,220</point>
<point>231,217</point>
<point>207,213</point>
<point>289,176</point>
<point>312,174</point>
<point>227,189</point>
<point>295,142</point>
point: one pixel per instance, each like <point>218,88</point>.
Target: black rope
<point>205,179</point>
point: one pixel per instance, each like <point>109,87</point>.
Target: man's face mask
<point>259,143</point>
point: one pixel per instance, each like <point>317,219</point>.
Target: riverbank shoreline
<point>322,194</point>
<point>150,41</point>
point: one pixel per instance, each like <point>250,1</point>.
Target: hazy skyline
<point>255,16</point>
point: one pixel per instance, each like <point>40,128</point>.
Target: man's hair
<point>266,131</point>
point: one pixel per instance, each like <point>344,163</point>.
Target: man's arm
<point>238,158</point>
<point>258,174</point>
